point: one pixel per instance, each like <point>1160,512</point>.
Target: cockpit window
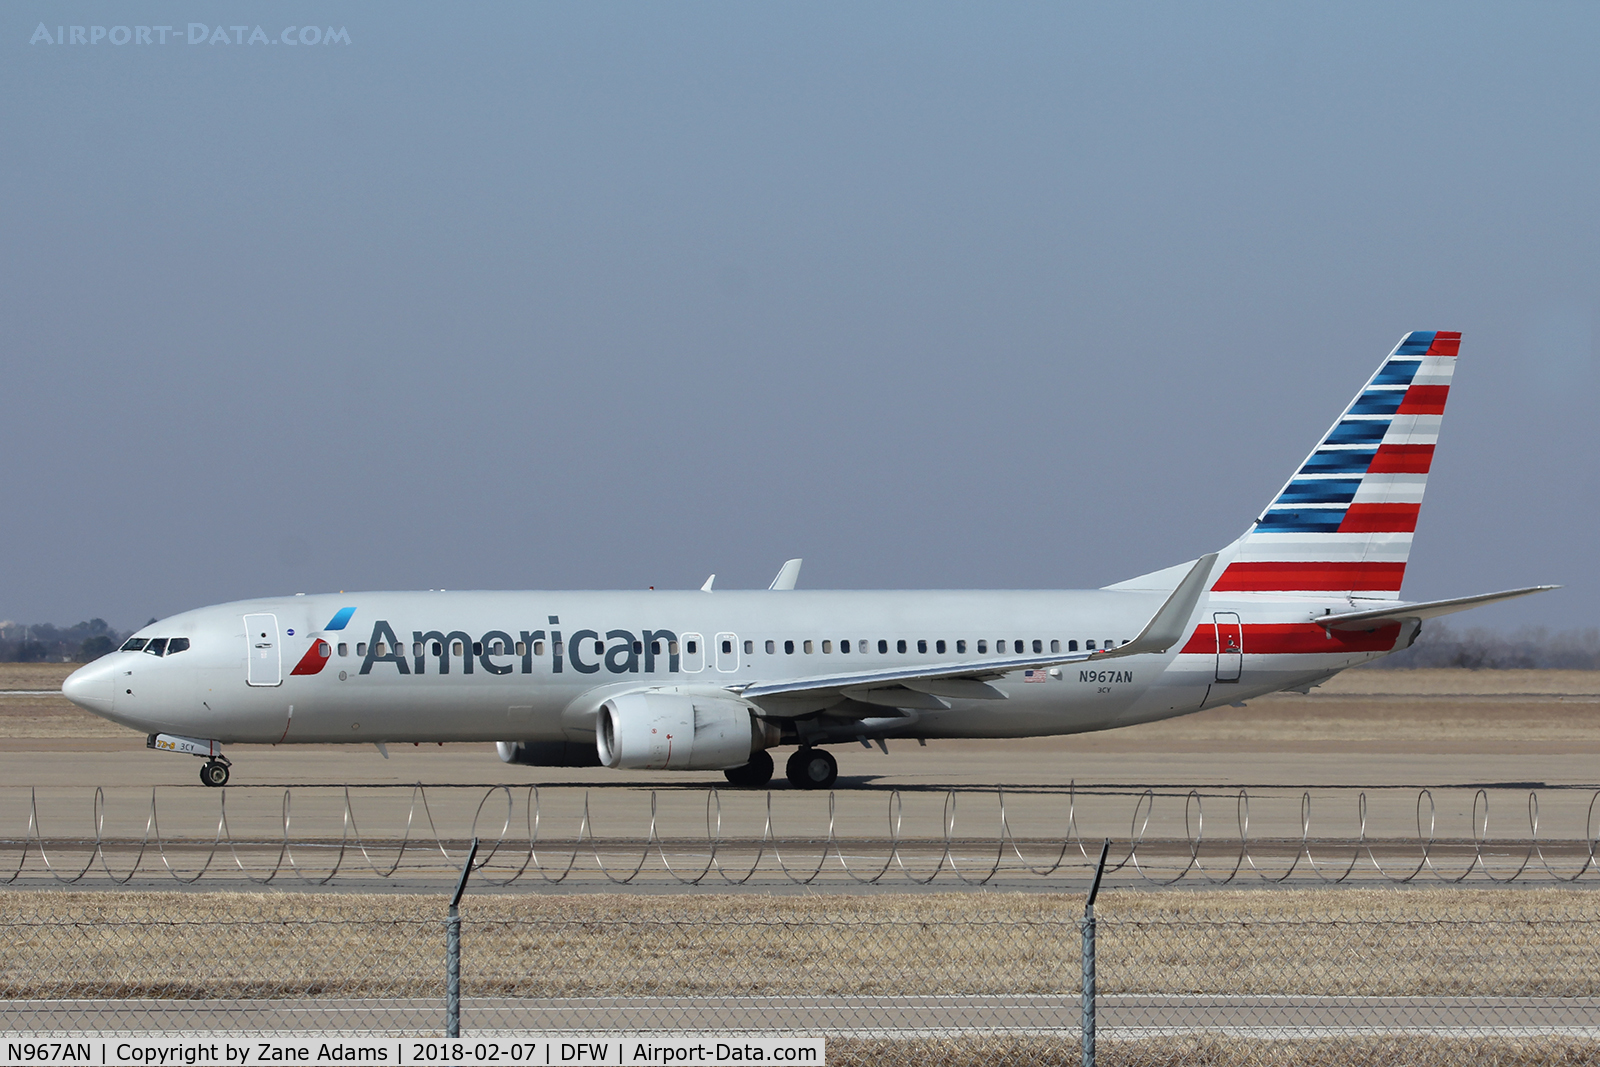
<point>157,646</point>
<point>134,644</point>
<point>176,645</point>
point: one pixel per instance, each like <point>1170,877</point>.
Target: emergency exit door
<point>1230,646</point>
<point>263,652</point>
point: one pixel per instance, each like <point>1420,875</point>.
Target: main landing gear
<point>812,768</point>
<point>214,773</point>
<point>752,775</point>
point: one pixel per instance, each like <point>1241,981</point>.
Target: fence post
<point>1087,927</point>
<point>452,951</point>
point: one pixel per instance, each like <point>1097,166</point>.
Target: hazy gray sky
<point>590,295</point>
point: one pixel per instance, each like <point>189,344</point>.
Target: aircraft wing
<point>1370,620</point>
<point>927,682</point>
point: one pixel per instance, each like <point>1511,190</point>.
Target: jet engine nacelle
<point>548,753</point>
<point>678,731</point>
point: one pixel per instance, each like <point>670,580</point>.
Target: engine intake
<point>678,731</point>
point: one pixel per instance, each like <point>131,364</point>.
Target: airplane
<point>709,680</point>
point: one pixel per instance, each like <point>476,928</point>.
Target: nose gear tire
<point>214,773</point>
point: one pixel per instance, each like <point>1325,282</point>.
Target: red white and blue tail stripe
<point>1343,524</point>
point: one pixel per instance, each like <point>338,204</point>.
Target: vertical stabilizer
<point>1343,524</point>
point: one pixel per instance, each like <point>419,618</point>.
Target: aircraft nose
<point>92,687</point>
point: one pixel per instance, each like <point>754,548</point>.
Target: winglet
<point>788,574</point>
<point>1167,627</point>
<point>707,587</point>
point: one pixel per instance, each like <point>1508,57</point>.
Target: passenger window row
<point>903,646</point>
<point>159,646</point>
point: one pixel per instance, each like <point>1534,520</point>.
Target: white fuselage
<point>535,666</point>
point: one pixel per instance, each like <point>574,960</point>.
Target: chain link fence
<point>1262,976</point>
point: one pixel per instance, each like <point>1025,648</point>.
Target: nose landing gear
<point>215,771</point>
<point>812,768</point>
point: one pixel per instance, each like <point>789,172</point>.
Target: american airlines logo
<point>193,33</point>
<point>497,652</point>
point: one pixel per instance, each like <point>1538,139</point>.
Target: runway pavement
<point>1353,757</point>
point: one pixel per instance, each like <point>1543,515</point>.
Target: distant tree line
<point>44,643</point>
<point>1529,648</point>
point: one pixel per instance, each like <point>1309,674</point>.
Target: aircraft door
<point>1230,646</point>
<point>263,651</point>
<point>727,653</point>
<point>694,653</point>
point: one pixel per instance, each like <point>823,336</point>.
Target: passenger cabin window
<point>883,647</point>
<point>1038,645</point>
<point>522,648</point>
<point>1072,646</point>
<point>692,647</point>
<point>961,647</point>
<point>655,648</point>
<point>638,647</point>
<point>939,647</point>
<point>344,649</point>
<point>1089,645</point>
<point>900,646</point>
<point>1055,646</point>
<point>749,647</point>
<point>827,647</point>
<point>538,648</point>
<point>807,647</point>
<point>983,646</point>
<point>361,648</point>
<point>727,648</point>
<point>772,646</point>
<point>134,644</point>
<point>455,648</point>
<point>672,647</point>
<point>788,648</point>
<point>157,646</point>
<point>922,646</point>
<point>844,646</point>
<point>599,648</point>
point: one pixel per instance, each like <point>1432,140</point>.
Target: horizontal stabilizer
<point>1369,620</point>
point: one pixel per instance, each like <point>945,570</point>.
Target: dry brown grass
<point>35,675</point>
<point>1455,681</point>
<point>1220,1051</point>
<point>1369,942</point>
